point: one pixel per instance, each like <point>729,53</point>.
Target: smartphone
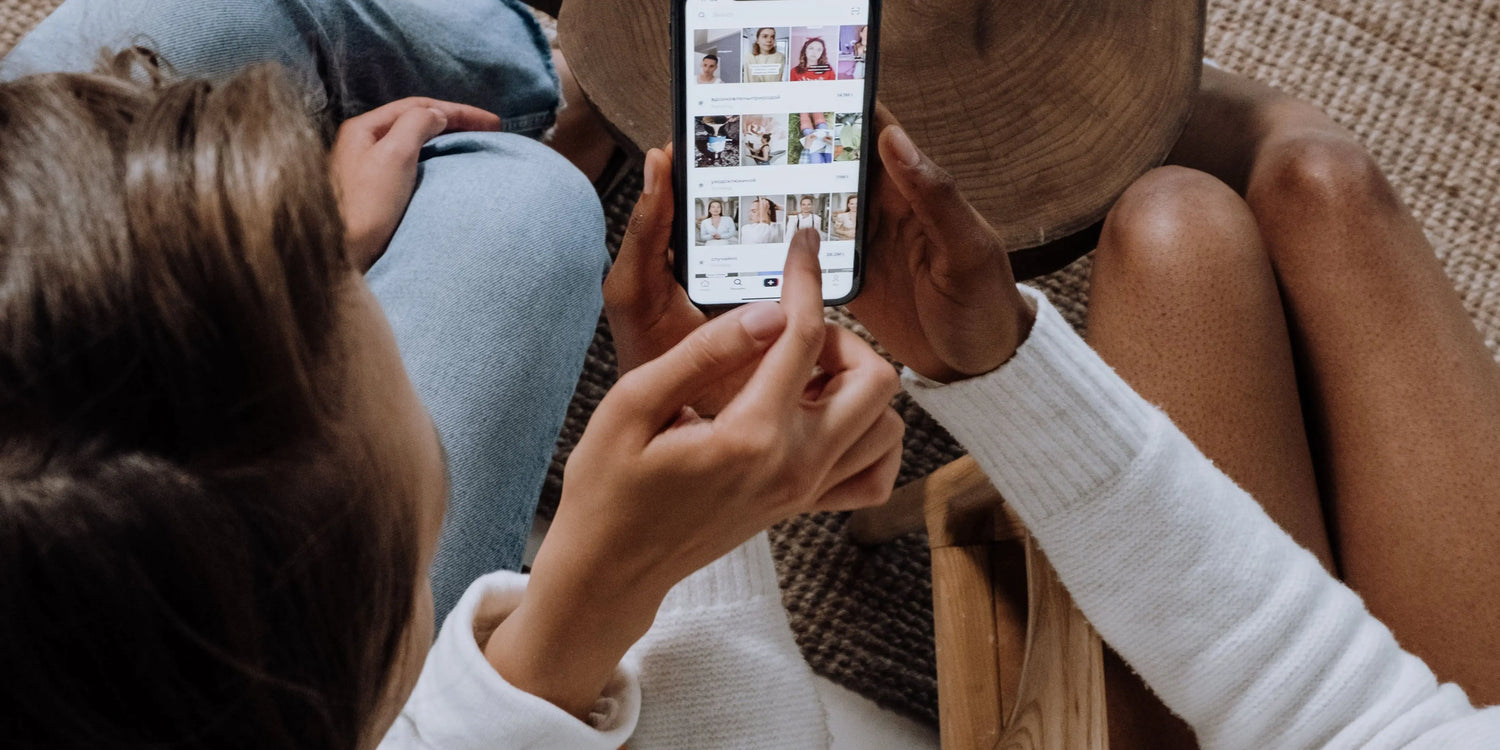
<point>774,109</point>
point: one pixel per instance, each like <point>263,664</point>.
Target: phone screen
<point>775,123</point>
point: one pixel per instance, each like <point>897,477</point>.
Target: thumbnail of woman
<point>757,146</point>
<point>807,217</point>
<point>765,63</point>
<point>717,229</point>
<point>854,41</point>
<point>812,64</point>
<point>843,222</point>
<point>763,227</point>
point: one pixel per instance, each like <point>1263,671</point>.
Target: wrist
<point>363,249</point>
<point>1015,334</point>
<point>1004,340</point>
<point>565,641</point>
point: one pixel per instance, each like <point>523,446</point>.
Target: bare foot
<point>581,135</point>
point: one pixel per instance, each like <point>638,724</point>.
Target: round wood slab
<point>1044,110</point>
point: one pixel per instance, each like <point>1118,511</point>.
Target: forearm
<point>565,640</point>
<point>1237,628</point>
<point>462,702</point>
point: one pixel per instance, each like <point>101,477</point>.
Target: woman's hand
<point>648,311</point>
<point>938,293</point>
<point>374,166</point>
<point>654,491</point>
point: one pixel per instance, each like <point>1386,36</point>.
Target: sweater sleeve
<point>718,669</point>
<point>461,703</point>
<point>1237,628</point>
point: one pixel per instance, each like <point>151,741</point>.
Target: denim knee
<point>507,219</point>
<point>492,285</point>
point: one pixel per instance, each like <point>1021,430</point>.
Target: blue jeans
<point>492,281</point>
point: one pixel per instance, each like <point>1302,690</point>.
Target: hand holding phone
<point>655,491</point>
<point>940,296</point>
<point>648,311</point>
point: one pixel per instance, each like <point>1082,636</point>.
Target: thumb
<point>411,130</point>
<point>965,239</point>
<point>641,274</point>
<point>655,392</point>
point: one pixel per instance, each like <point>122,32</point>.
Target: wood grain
<point>1043,110</point>
<point>999,685</point>
<point>970,713</point>
<point>1060,700</point>
<point>960,495</point>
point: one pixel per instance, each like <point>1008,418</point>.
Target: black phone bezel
<point>682,242</point>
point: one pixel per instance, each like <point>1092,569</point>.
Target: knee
<point>1318,172</point>
<point>530,205</point>
<point>1175,221</point>
<point>504,234</point>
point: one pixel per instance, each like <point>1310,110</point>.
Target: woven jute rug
<point>1417,80</point>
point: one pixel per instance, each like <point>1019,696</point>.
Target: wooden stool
<point>979,549</point>
<point>1043,110</point>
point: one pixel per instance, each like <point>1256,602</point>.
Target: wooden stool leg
<point>1058,701</point>
<point>970,708</point>
<point>964,493</point>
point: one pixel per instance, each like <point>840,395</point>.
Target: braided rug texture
<point>1417,80</point>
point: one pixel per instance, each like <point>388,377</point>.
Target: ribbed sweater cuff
<point>745,573</point>
<point>1052,426</point>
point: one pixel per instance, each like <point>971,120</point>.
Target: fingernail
<point>650,179</point>
<point>906,151</point>
<point>763,320</point>
<point>440,113</point>
<point>810,241</point>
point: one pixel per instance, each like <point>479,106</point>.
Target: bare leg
<point>1403,400</point>
<point>1185,307</point>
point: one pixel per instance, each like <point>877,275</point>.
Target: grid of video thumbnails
<point>776,54</point>
<point>768,219</point>
<point>814,143</point>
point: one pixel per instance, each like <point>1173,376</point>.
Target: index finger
<point>777,384</point>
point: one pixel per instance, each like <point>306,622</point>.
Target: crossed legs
<point>1305,337</point>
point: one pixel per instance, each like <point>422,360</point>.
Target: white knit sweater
<point>1238,629</point>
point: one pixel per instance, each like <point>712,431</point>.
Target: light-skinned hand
<point>938,293</point>
<point>374,166</point>
<point>655,491</point>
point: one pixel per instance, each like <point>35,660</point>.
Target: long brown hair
<point>769,216</point>
<point>822,58</point>
<point>194,553</point>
